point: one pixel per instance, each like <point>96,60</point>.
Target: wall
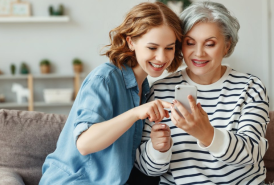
<point>91,20</point>
<point>254,51</point>
<point>82,37</point>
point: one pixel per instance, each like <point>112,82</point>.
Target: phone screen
<point>181,93</point>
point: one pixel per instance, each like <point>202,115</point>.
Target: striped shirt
<point>238,108</point>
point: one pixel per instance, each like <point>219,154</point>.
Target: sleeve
<point>94,104</point>
<point>81,127</point>
<point>148,160</point>
<point>248,145</point>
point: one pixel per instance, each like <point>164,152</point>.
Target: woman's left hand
<point>196,123</point>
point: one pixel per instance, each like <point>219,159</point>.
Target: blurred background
<point>79,31</point>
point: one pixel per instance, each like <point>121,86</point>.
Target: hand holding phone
<point>181,94</point>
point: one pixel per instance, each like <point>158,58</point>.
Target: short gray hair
<point>212,12</point>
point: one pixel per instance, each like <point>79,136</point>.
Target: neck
<point>140,75</point>
<point>207,79</point>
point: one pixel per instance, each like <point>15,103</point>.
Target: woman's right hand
<point>154,111</point>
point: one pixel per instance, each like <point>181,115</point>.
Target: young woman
<point>98,142</point>
<point>222,140</point>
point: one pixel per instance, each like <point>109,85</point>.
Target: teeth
<point>199,62</point>
<point>157,66</point>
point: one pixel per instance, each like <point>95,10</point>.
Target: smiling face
<point>154,51</point>
<point>204,47</point>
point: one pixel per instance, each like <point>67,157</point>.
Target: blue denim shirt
<point>105,93</point>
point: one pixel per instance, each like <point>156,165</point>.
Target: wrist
<point>208,137</point>
<point>133,114</point>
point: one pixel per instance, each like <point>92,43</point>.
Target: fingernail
<point>174,101</point>
<point>163,126</point>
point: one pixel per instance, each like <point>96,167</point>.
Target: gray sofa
<point>26,138</point>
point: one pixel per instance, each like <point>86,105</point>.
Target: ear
<point>227,46</point>
<point>130,43</point>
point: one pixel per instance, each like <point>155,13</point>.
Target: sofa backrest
<point>26,138</point>
<point>269,156</point>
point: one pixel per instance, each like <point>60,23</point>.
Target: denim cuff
<point>81,127</point>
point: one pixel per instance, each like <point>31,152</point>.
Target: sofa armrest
<point>10,177</point>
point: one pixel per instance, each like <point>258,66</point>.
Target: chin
<point>153,75</point>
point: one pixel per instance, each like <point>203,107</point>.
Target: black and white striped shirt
<point>238,107</point>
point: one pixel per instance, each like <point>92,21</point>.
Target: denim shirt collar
<point>131,82</point>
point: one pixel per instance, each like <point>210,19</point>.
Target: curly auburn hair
<point>139,21</point>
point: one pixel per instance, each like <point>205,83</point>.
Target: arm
<point>108,129</point>
<point>248,145</point>
<point>107,132</point>
<point>244,147</point>
<point>154,154</point>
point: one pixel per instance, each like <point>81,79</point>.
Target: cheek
<point>171,55</point>
<point>140,54</point>
<point>217,54</point>
<point>186,52</point>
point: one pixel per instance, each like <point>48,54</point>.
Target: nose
<point>161,56</point>
<point>199,51</point>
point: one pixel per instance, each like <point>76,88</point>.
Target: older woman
<point>222,140</point>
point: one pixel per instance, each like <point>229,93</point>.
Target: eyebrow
<point>206,39</point>
<point>158,44</point>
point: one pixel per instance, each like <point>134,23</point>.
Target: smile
<point>200,61</point>
<point>156,66</point>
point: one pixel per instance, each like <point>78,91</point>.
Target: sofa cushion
<point>269,157</point>
<point>8,177</point>
<point>26,138</point>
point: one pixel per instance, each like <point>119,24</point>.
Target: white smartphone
<point>181,93</point>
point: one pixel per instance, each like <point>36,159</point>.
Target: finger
<point>182,110</point>
<point>177,117</point>
<point>201,109</point>
<point>159,126</point>
<point>166,104</point>
<point>192,104</point>
<point>151,115</point>
<point>161,110</point>
<point>174,121</point>
<point>166,114</point>
<point>156,113</point>
<point>161,133</point>
<point>175,113</point>
<point>163,140</point>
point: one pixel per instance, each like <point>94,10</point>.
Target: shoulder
<point>106,72</point>
<point>250,83</point>
<point>244,78</point>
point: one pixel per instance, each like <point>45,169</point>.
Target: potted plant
<point>45,66</point>
<point>24,69</point>
<point>77,65</point>
<point>58,12</point>
<point>12,69</point>
<point>185,3</point>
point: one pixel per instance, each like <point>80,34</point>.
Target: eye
<point>210,44</point>
<point>190,43</point>
<point>151,48</point>
<point>171,48</point>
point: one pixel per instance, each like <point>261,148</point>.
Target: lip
<point>157,69</point>
<point>198,60</point>
<point>199,65</point>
